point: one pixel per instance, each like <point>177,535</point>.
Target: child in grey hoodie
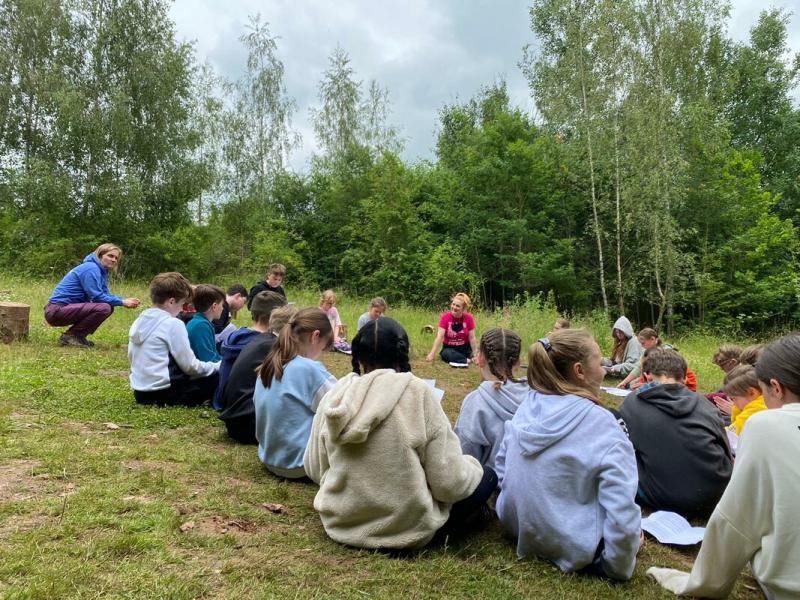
<point>485,411</point>
<point>567,471</point>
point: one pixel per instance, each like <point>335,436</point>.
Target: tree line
<point>659,177</point>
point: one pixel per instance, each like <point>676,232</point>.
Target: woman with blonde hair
<point>456,335</point>
<point>82,300</point>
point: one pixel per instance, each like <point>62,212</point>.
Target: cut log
<point>14,319</point>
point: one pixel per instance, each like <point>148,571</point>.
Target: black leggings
<point>456,354</point>
<point>464,512</point>
<point>181,392</point>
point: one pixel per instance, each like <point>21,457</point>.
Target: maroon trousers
<point>84,318</point>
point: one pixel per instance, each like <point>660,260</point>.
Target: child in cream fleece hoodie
<point>390,469</point>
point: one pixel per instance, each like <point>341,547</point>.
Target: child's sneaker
<point>68,339</point>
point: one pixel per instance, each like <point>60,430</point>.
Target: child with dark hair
<point>236,400</point>
<point>271,283</point>
<point>164,369</point>
<point>756,521</point>
<point>481,422</point>
<point>377,306</point>
<point>235,299</point>
<point>261,309</point>
<point>567,471</point>
<point>207,301</point>
<point>291,382</point>
<point>682,452</point>
<point>648,339</point>
<point>390,469</point>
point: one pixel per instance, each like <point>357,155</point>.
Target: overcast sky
<point>428,53</point>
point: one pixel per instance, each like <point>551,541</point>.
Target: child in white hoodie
<point>390,469</point>
<point>567,471</point>
<point>484,412</point>
<point>164,369</point>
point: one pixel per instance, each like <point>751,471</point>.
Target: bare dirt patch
<point>18,481</point>
<point>218,525</point>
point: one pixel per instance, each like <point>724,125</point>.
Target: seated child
<point>261,308</point>
<point>327,302</point>
<point>288,390</point>
<point>726,358</point>
<point>755,522</point>
<point>561,324</point>
<point>235,299</point>
<point>158,341</point>
<point>682,452</point>
<point>484,412</point>
<point>649,339</point>
<point>377,307</point>
<point>626,351</point>
<point>207,301</point>
<point>272,283</point>
<point>741,386</point>
<point>237,410</point>
<point>567,471</point>
<point>390,470</point>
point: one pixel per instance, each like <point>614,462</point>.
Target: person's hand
<point>724,405</point>
<point>622,385</point>
<point>429,358</point>
<point>636,384</point>
<point>131,302</point>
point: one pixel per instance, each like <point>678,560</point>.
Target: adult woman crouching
<point>82,300</point>
<point>456,333</point>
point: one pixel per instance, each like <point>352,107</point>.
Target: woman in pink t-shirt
<point>456,333</point>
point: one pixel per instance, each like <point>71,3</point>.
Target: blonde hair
<point>550,362</point>
<point>281,316</point>
<point>104,249</point>
<point>464,298</point>
<point>727,353</point>
<point>296,331</point>
<point>327,296</point>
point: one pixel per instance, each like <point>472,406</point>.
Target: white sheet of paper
<point>458,365</point>
<point>733,440</point>
<point>671,528</point>
<point>439,392</point>
<point>615,391</point>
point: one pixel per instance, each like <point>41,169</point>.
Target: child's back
<point>481,421</point>
<point>567,485</point>
<point>682,454</point>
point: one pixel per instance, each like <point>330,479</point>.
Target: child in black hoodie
<point>682,453</point>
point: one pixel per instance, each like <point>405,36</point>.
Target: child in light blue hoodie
<point>485,411</point>
<point>567,471</point>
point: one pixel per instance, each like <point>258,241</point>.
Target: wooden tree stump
<point>14,318</point>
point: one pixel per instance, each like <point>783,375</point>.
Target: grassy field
<point>101,498</point>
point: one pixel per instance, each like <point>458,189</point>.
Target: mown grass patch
<point>100,497</point>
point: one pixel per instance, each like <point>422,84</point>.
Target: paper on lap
<point>615,391</point>
<point>671,528</point>
<point>432,384</point>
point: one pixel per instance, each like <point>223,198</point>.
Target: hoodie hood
<point>91,258</point>
<point>505,400</point>
<point>624,325</point>
<point>146,324</point>
<point>351,416</point>
<point>542,420</point>
<point>675,399</point>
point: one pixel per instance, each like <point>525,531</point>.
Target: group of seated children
<point>393,473</point>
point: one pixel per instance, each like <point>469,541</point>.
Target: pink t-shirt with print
<point>453,337</point>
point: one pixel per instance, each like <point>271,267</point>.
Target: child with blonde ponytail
<point>485,411</point>
<point>567,471</point>
<point>291,383</point>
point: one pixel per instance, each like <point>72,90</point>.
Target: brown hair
<point>501,349</point>
<point>205,295</point>
<point>280,317</point>
<point>740,380</point>
<point>726,353</point>
<point>287,346</point>
<point>263,304</point>
<point>464,298</point>
<point>377,302</point>
<point>666,362</point>
<point>649,333</point>
<point>780,361</point>
<point>549,369</point>
<point>104,249</point>
<point>563,323</point>
<point>618,350</point>
<point>170,285</point>
<point>751,354</point>
<point>276,269</point>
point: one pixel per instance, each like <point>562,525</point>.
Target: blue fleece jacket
<point>567,483</point>
<point>88,282</point>
<point>201,338</point>
<point>231,349</point>
<point>483,416</point>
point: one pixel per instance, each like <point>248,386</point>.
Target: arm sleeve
<point>315,458</point>
<point>451,475</point>
<point>622,525</point>
<point>362,320</point>
<point>181,351</point>
<point>443,320</point>
<point>96,289</point>
<point>500,459</point>
<point>470,321</point>
<point>202,342</point>
<point>323,383</point>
